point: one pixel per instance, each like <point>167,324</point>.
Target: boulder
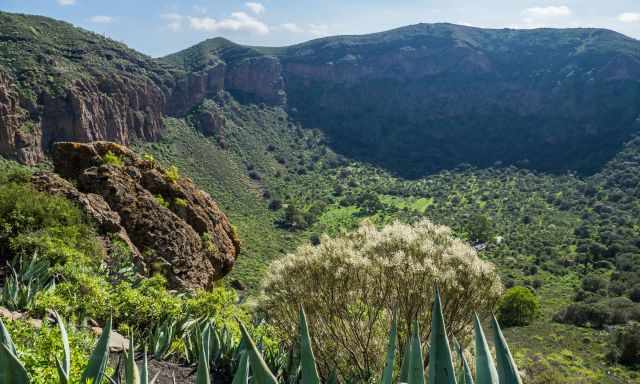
<point>171,226</point>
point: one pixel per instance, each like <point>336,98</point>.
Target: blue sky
<point>159,27</point>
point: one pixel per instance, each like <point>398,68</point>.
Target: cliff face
<point>59,83</point>
<point>170,226</point>
<point>413,100</point>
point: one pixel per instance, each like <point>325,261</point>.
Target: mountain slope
<point>431,96</point>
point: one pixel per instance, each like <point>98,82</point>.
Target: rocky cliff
<point>413,100</point>
<point>170,225</point>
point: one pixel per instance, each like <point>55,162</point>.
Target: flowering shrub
<point>350,285</point>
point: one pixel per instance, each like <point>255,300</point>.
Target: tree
<point>350,286</point>
<point>479,228</point>
<point>624,347</point>
<point>519,306</point>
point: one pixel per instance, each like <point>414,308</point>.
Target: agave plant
<point>24,281</point>
<point>251,365</point>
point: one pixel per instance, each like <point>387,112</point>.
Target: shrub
<point>179,202</point>
<point>624,347</point>
<point>172,174</point>
<point>518,307</point>
<point>350,285</point>
<point>112,159</point>
<point>594,283</point>
<point>161,201</point>
<point>32,221</point>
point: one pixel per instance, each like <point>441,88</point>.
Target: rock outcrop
<point>171,226</point>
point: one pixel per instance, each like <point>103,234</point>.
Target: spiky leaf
<point>5,338</point>
<point>507,369</point>
<point>387,374</point>
<point>307,359</point>
<point>467,376</point>
<point>486,372</point>
<point>131,372</point>
<point>11,369</point>
<point>441,369</point>
<point>63,366</point>
<point>203,376</point>
<point>242,373</point>
<point>416,361</point>
<point>94,372</point>
<point>404,368</point>
<point>261,372</point>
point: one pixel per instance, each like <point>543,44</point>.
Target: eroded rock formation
<point>170,225</point>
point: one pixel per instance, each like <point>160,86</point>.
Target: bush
<point>350,285</point>
<point>172,174</point>
<point>112,159</point>
<point>594,283</point>
<point>518,307</point>
<point>32,221</point>
<point>624,347</point>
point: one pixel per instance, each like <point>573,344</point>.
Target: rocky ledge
<point>169,224</point>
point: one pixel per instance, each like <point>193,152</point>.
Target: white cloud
<point>551,11</point>
<point>174,21</point>
<point>66,2</point>
<point>101,19</point>
<point>256,8</point>
<point>629,17</point>
<point>319,29</point>
<point>291,27</point>
<point>238,21</point>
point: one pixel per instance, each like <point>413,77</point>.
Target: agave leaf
<point>11,369</point>
<point>333,377</point>
<point>261,372</point>
<point>64,366</point>
<point>203,376</point>
<point>131,372</point>
<point>467,376</point>
<point>307,359</point>
<point>486,372</point>
<point>441,369</point>
<point>404,368</point>
<point>5,338</point>
<point>416,361</point>
<point>94,371</point>
<point>507,370</point>
<point>242,373</point>
<point>387,374</point>
<point>144,372</point>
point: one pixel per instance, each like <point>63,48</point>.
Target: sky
<point>160,27</point>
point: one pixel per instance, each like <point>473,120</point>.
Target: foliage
<point>112,159</point>
<point>519,306</point>
<point>351,284</point>
<point>34,222</point>
<point>625,345</point>
<point>172,174</point>
<point>24,282</point>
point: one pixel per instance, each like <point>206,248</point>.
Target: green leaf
<point>507,370</point>
<point>94,371</point>
<point>131,372</point>
<point>11,370</point>
<point>441,369</point>
<point>387,374</point>
<point>242,373</point>
<point>485,367</point>
<point>144,372</point>
<point>63,366</point>
<point>5,338</point>
<point>261,372</point>
<point>404,368</point>
<point>203,375</point>
<point>416,361</point>
<point>307,359</point>
<point>467,377</point>
<point>333,377</point>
